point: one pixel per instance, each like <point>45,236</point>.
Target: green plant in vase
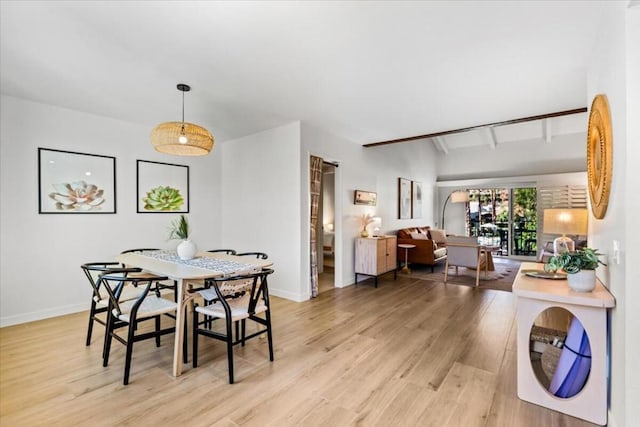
<point>580,266</point>
<point>179,229</point>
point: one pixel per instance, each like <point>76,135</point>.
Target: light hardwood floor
<point>409,353</point>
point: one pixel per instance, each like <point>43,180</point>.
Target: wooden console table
<point>534,295</point>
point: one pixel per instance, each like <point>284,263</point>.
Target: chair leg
<point>478,275</point>
<point>195,339</point>
<point>269,337</point>
<point>157,331</point>
<point>92,313</point>
<point>127,360</point>
<point>237,328</point>
<point>229,350</point>
<point>446,271</point>
<point>185,337</point>
<point>244,330</point>
<point>106,349</point>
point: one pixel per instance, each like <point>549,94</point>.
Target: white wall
<point>632,273</point>
<point>40,255</point>
<point>613,71</point>
<point>260,202</point>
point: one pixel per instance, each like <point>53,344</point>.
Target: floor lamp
<point>564,221</point>
<point>459,196</point>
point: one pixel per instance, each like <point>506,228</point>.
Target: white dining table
<point>184,274</point>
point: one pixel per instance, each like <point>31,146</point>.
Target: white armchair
<point>465,252</point>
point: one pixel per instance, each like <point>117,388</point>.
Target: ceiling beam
<point>491,133</point>
<point>546,130</point>
<point>503,123</point>
<point>440,143</point>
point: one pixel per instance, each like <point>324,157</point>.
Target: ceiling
<point>366,71</point>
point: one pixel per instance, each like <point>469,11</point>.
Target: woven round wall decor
<point>599,156</point>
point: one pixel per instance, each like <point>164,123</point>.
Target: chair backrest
<point>259,255</point>
<point>226,251</point>
<point>114,280</point>
<point>256,290</point>
<point>139,250</point>
<point>463,251</point>
<point>93,270</point>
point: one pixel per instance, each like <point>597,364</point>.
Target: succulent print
<point>77,196</point>
<point>163,199</point>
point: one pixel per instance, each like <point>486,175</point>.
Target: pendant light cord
<point>182,130</point>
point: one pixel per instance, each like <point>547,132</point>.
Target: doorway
<point>327,220</point>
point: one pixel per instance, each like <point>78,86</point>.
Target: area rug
<point>501,279</point>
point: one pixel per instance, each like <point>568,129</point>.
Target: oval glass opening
<point>560,352</point>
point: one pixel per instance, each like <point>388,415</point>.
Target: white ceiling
<point>367,71</point>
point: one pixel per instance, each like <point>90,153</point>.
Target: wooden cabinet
<point>375,256</point>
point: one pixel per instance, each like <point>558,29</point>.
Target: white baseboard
<point>40,315</point>
<point>286,294</point>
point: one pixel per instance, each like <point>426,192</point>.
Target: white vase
<point>582,281</point>
<point>187,250</point>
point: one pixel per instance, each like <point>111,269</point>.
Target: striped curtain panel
<point>316,185</point>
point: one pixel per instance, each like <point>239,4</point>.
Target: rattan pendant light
<point>182,138</point>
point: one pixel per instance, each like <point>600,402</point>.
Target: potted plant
<point>580,266</point>
<point>365,220</point>
<point>179,229</point>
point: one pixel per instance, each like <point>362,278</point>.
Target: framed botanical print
<point>75,183</point>
<point>162,187</point>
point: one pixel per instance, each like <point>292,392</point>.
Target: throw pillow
<point>438,236</point>
<point>418,236</point>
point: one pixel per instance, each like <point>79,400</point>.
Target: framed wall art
<point>75,183</point>
<point>368,198</point>
<point>162,187</point>
<point>404,198</point>
<point>416,199</point>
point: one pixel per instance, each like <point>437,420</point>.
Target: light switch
<point>615,257</point>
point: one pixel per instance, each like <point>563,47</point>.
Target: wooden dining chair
<point>252,305</point>
<point>146,306</point>
<point>465,252</point>
<point>259,255</point>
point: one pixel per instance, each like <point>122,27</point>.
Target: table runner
<point>224,266</point>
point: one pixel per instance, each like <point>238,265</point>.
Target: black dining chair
<point>99,297</point>
<point>252,305</point>
<point>162,288</point>
<point>259,255</point>
<point>225,251</point>
<point>147,306</point>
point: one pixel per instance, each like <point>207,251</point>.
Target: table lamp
<point>565,221</point>
<point>377,224</point>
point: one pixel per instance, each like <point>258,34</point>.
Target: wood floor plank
<point>410,352</point>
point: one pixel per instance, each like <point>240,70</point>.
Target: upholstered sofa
<point>430,245</point>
